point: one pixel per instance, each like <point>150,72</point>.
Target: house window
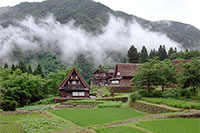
<point>81,94</point>
<point>78,94</point>
<point>76,77</point>
<point>74,93</point>
<point>115,81</point>
<point>73,82</point>
<point>118,73</point>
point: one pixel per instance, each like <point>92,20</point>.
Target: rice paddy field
<point>95,120</point>
<point>173,125</point>
<point>120,129</point>
<point>88,117</point>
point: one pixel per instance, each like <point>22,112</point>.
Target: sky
<point>186,11</point>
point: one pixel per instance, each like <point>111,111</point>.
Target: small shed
<point>74,86</point>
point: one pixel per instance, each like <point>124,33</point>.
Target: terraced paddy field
<point>173,125</point>
<point>120,129</point>
<point>87,117</point>
<point>97,120</point>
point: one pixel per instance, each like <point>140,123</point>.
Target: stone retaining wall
<point>151,108</point>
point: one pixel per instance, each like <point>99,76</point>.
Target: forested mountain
<point>92,15</point>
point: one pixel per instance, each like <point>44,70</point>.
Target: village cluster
<point>118,79</point>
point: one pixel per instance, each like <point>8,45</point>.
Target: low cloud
<point>117,36</point>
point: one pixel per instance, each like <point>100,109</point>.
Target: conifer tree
<point>13,67</point>
<point>162,54</point>
<point>153,54</point>
<point>133,55</point>
<point>175,50</point>
<point>6,65</point>
<point>38,71</point>
<point>22,67</point>
<point>171,51</point>
<point>144,55</point>
<point>30,71</point>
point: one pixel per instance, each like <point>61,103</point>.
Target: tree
<point>147,74</point>
<point>144,55</point>
<point>166,73</point>
<point>22,67</point>
<point>153,53</point>
<point>6,65</point>
<point>133,55</point>
<point>171,51</point>
<point>30,71</point>
<point>13,67</point>
<point>86,67</point>
<point>190,75</point>
<point>21,87</point>
<point>162,54</point>
<point>38,71</point>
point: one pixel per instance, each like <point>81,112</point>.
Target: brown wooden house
<point>74,86</point>
<point>123,74</point>
<point>101,78</point>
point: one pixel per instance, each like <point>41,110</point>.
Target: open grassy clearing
<point>87,117</point>
<point>173,125</point>
<point>120,129</point>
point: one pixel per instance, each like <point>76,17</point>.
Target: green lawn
<point>173,125</point>
<point>121,129</point>
<point>87,117</point>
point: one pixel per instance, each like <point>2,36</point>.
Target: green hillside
<point>93,15</point>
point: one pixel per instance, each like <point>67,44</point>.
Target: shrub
<point>49,100</point>
<point>197,107</point>
<point>9,105</point>
<point>85,102</point>
<point>37,107</point>
<point>1,110</point>
<point>123,99</point>
<point>137,88</point>
<point>171,93</point>
<point>157,93</point>
<point>110,104</point>
<point>135,96</point>
<point>143,93</point>
<point>186,92</point>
